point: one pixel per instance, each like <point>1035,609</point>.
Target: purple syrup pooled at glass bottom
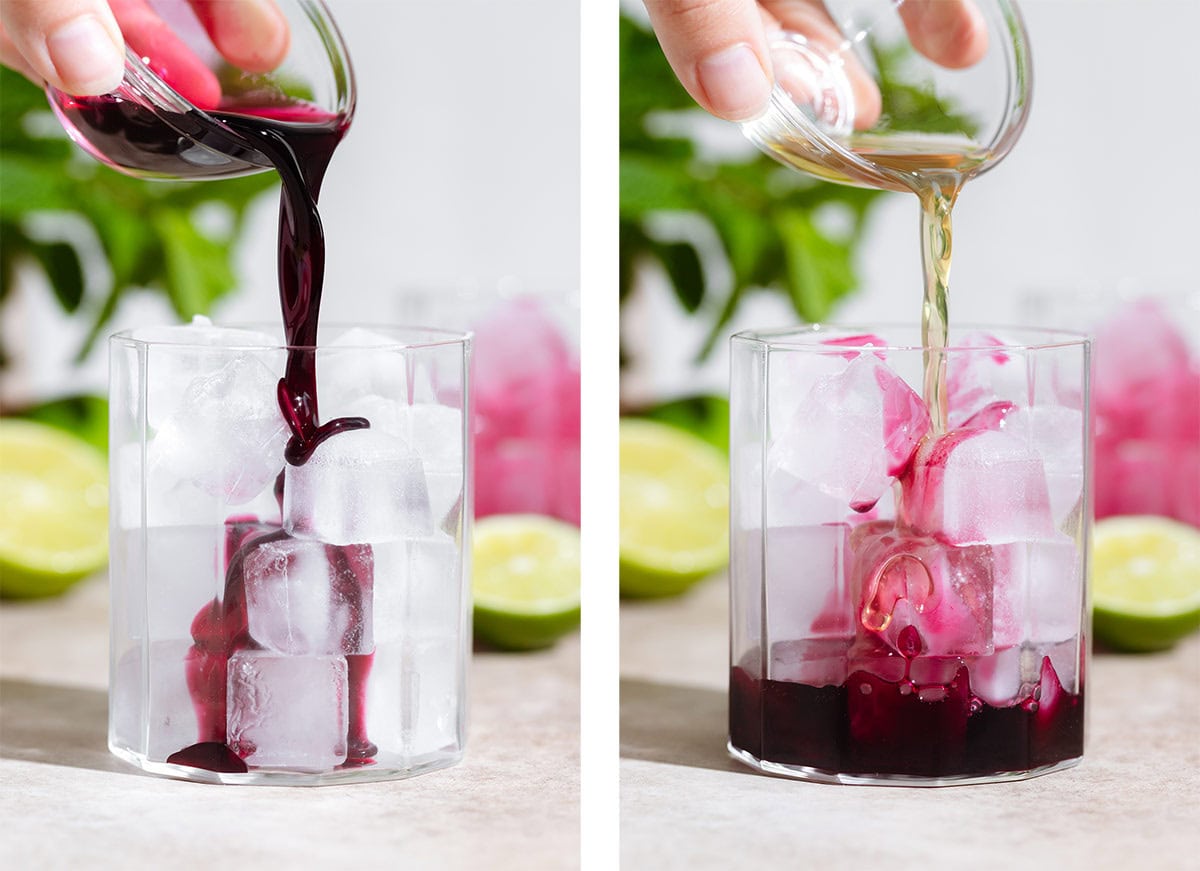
<point>870,726</point>
<point>298,142</point>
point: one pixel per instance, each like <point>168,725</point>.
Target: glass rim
<point>441,338</point>
<point>778,338</point>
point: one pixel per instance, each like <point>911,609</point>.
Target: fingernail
<point>85,57</point>
<point>734,83</point>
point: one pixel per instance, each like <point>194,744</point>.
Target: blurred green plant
<point>147,230</point>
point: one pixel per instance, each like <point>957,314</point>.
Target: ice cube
<point>1039,593</point>
<point>418,587</point>
<point>989,372</point>
<point>415,687</point>
<point>158,691</point>
<point>792,375</point>
<point>1057,435</point>
<point>901,583</point>
<point>1001,679</point>
<point>853,432</point>
<point>806,583</point>
<point>170,713</point>
<point>227,436</point>
<point>169,500</point>
<point>306,597</point>
<point>183,353</point>
<point>357,364</point>
<point>435,432</point>
<point>1064,659</point>
<point>126,724</point>
<point>288,711</point>
<point>358,486</point>
<point>977,487</point>
<point>816,662</point>
<point>185,567</point>
<point>420,624</point>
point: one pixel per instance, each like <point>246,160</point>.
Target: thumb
<point>718,51</point>
<point>75,45</point>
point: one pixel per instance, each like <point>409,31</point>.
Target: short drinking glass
<point>275,622</point>
<point>908,606</point>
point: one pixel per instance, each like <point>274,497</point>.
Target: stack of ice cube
<point>360,570</point>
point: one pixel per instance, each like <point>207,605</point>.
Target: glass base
<point>281,777</point>
<point>818,775</point>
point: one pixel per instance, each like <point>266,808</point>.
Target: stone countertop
<point>1133,802</point>
<point>66,802</point>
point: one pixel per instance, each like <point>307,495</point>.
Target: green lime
<point>674,509</point>
<point>1146,582</point>
<point>525,579</point>
<point>53,510</point>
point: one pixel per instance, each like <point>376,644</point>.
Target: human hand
<point>78,46</point>
<point>719,48</point>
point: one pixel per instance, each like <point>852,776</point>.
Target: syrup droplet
<point>909,642</point>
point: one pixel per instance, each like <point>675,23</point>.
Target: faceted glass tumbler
<point>278,623</point>
<point>908,602</point>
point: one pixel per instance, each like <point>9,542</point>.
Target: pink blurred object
<point>1146,401</point>
<point>526,415</point>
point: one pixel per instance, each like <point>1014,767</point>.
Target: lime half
<point>674,509</point>
<point>53,510</point>
<point>525,580</point>
<point>1146,582</point>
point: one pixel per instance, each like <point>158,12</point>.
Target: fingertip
<point>965,44</point>
<point>86,58</point>
<point>951,33</point>
<point>734,82</point>
<point>253,35</point>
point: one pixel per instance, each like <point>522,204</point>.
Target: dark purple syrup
<point>869,726</point>
<point>298,141</point>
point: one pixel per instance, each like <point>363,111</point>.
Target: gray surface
<point>66,802</point>
<point>1134,801</point>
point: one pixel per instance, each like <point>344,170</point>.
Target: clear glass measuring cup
<point>860,103</point>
